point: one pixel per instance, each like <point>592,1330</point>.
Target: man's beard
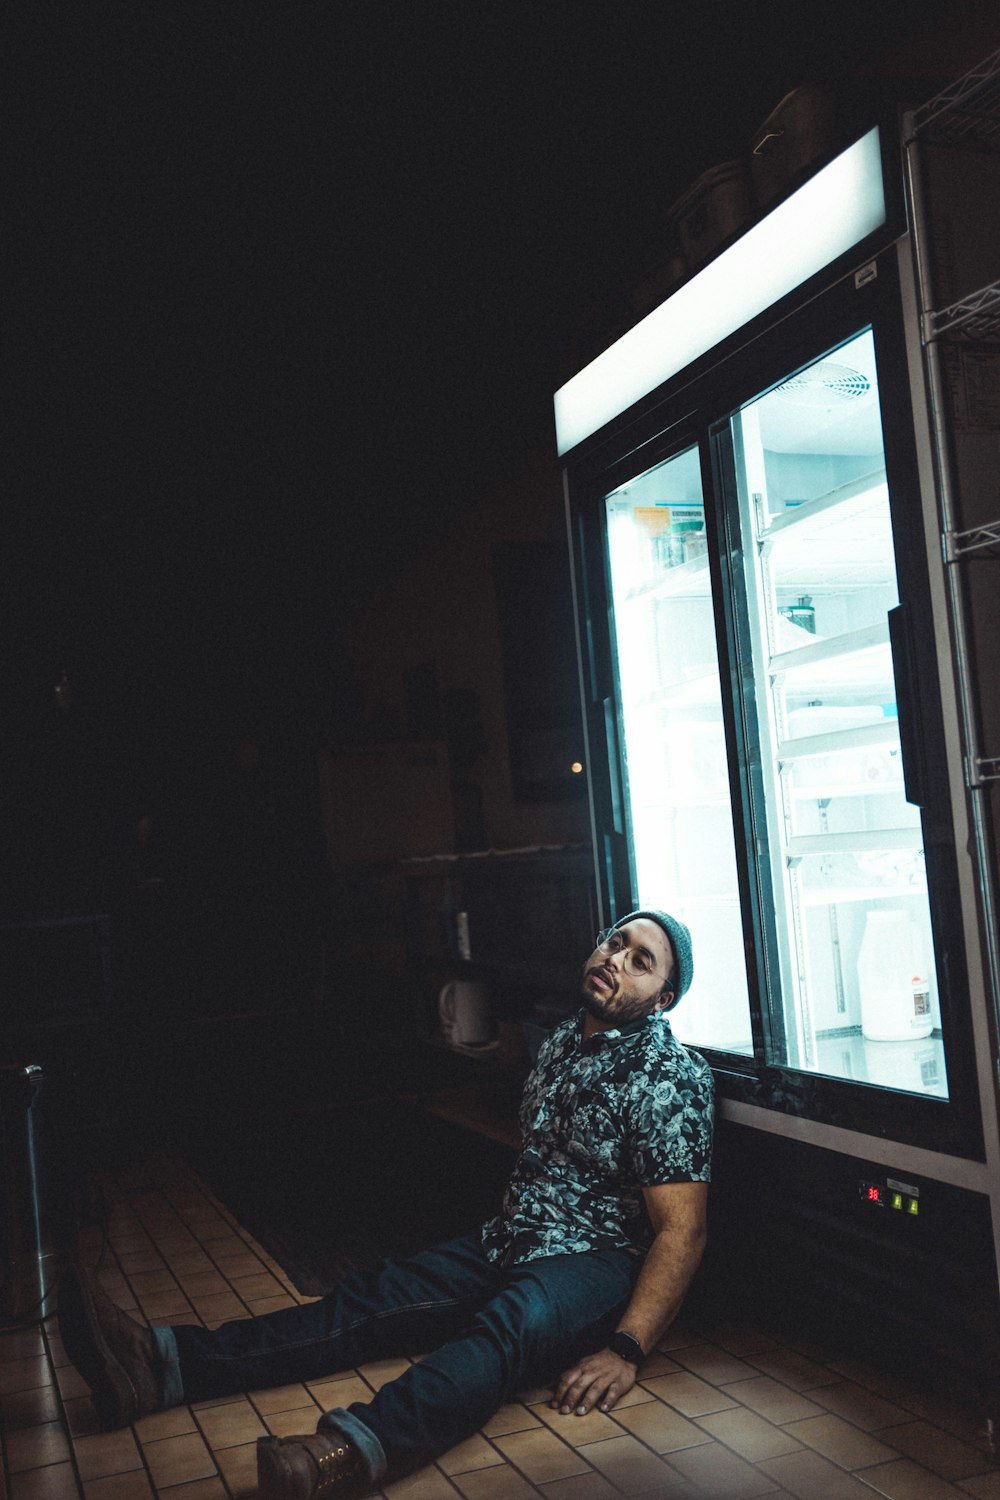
<point>630,1010</point>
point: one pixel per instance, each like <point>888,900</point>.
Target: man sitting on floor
<point>601,1230</point>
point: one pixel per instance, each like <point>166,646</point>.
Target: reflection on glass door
<point>676,768</point>
<point>853,922</point>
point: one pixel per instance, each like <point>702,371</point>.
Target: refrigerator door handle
<point>908,705</point>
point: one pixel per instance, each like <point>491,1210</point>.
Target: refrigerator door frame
<point>699,409</point>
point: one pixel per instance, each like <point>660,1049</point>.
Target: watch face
<point>626,1347</point>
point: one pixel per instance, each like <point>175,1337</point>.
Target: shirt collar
<point>619,1034</point>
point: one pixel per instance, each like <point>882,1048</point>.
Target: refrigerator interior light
<point>834,210</point>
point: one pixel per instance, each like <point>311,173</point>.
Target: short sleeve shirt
<point>601,1119</point>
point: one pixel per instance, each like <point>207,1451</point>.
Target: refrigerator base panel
<point>877,1262</point>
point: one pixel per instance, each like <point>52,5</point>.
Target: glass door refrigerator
<point>774,755</point>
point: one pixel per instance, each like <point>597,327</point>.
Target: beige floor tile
<point>162,1304</point>
<point>218,1307</point>
<point>425,1484</point>
<point>937,1450</point>
<point>33,1447</point>
<point>379,1371</point>
<point>535,1394</point>
<point>748,1434</point>
<point>340,1392</point>
<point>236,1263</point>
<point>202,1283</point>
<point>690,1396</point>
<point>717,1472</point>
<point>742,1342</point>
<point>163,1424</point>
<point>57,1352</point>
<point>144,1282</point>
<point>260,1305</point>
<point>133,1486</point>
<point>292,1423</point>
<point>239,1470</point>
<point>855,1404</point>
<point>260,1284</point>
<point>474,1453</point>
<point>942,1413</point>
<point>25,1343</point>
<point>175,1460</point>
<point>889,1387</point>
<point>198,1489</point>
<point>55,1482</point>
<point>628,1464</point>
<point>28,1408</point>
<point>191,1263</point>
<point>581,1487</point>
<point>541,1455</point>
<point>283,1398</point>
<point>496,1484</point>
<point>713,1364</point>
<point>106,1453</point>
<point>658,1364</point>
<point>138,1262</point>
<point>229,1426</point>
<point>576,1430</point>
<point>793,1369</point>
<point>511,1418</point>
<point>660,1427</point>
<point>25,1374</point>
<point>71,1383</point>
<point>904,1480</point>
<point>81,1417</point>
<point>810,1476</point>
<point>770,1399</point>
<point>838,1440</point>
<point>983,1486</point>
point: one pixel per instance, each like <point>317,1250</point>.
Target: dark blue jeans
<point>491,1331</point>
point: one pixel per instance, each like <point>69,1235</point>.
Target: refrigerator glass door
<point>858,992</point>
<point>675,769</point>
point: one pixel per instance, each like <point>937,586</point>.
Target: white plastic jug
<point>895,994</point>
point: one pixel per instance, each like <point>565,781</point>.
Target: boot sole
<point>115,1397</point>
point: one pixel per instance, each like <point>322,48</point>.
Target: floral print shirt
<point>600,1120</point>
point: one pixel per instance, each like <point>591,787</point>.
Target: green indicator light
<point>896,1201</point>
<point>913,1205</point>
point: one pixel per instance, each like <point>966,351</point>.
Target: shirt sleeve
<point>670,1124</point>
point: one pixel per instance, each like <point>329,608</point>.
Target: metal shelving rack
<point>961,126</point>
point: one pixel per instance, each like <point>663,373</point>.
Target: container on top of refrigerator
<point>895,993</point>
<point>714,209</point>
<point>804,126</point>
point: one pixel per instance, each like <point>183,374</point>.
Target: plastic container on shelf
<point>713,210</point>
<point>895,993</point>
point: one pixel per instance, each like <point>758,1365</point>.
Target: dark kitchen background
<point>286,601</point>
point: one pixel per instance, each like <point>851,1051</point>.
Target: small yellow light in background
<point>576,767</point>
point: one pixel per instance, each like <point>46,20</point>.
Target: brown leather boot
<point>307,1467</point>
<point>116,1356</point>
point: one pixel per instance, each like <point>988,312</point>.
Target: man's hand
<point>600,1379</point>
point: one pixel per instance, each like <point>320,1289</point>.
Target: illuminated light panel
<point>834,210</point>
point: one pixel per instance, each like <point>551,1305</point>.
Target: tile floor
<point>719,1412</point>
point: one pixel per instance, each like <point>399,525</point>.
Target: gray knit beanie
<point>680,941</point>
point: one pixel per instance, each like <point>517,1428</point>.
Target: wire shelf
<point>960,543</point>
<point>967,111</point>
<point>976,316</point>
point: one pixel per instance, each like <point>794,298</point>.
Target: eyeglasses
<point>636,962</point>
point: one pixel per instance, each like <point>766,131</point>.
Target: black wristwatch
<point>626,1347</point>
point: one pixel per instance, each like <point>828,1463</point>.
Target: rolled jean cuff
<point>172,1391</point>
<point>351,1427</point>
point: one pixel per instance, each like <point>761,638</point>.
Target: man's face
<point>612,995</point>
